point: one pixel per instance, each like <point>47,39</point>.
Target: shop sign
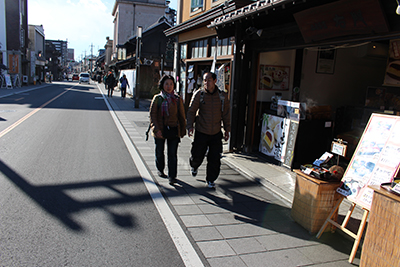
<point>375,161</point>
<point>13,64</point>
<point>342,18</point>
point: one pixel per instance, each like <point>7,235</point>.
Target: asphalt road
<point>70,194</point>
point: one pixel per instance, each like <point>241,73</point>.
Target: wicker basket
<point>313,200</point>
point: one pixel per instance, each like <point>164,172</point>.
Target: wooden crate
<point>382,244</point>
<point>313,200</point>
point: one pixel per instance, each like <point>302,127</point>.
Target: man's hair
<point>213,75</point>
<point>163,79</point>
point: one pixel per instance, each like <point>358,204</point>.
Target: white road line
<point>181,241</point>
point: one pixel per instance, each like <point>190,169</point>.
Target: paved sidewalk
<point>244,222</point>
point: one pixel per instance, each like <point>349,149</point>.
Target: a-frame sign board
<point>375,161</point>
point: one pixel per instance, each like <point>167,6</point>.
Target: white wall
<point>131,77</point>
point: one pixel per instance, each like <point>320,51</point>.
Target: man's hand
<point>159,134</point>
<point>226,136</point>
<point>190,132</point>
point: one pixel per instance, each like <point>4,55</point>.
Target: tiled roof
<point>249,10</point>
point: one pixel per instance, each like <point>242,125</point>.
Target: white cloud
<point>82,22</point>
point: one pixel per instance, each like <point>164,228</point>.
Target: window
<point>199,48</point>
<point>224,47</point>
<point>183,51</point>
<point>196,5</point>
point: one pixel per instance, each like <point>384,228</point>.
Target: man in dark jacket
<point>212,107</point>
<point>110,83</point>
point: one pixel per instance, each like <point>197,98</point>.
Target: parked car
<point>75,77</point>
<point>84,78</point>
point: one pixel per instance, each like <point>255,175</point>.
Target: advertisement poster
<point>279,133</point>
<point>274,77</point>
<point>375,160</point>
<point>392,76</point>
<point>272,136</point>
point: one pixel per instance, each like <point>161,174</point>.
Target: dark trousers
<point>123,91</point>
<point>201,143</point>
<point>172,150</point>
<point>110,89</point>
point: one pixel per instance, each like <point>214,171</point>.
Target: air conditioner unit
<point>25,79</point>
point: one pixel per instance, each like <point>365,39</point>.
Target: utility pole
<point>138,52</point>
<point>91,57</point>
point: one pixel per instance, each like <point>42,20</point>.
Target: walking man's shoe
<point>194,172</point>
<point>161,174</point>
<point>172,181</point>
<point>210,184</point>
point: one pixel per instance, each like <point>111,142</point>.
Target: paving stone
<point>246,245</point>
<point>187,209</point>
<point>205,233</point>
<point>195,220</point>
<point>224,218</point>
<point>283,241</point>
<point>232,261</point>
<point>243,230</point>
<point>280,258</point>
<point>216,248</point>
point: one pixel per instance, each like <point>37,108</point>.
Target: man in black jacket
<point>110,82</point>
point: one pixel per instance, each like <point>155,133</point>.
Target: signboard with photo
<point>278,133</point>
<point>392,76</point>
<point>274,77</point>
<point>375,161</point>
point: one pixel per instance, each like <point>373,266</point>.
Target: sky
<point>83,23</point>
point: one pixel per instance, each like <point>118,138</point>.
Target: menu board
<point>375,161</point>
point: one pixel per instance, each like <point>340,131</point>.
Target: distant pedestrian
<point>167,122</point>
<point>110,83</point>
<point>208,107</point>
<point>124,82</point>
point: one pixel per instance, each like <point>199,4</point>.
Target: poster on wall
<point>392,75</point>
<point>326,61</point>
<point>375,161</point>
<point>274,77</point>
<point>13,64</point>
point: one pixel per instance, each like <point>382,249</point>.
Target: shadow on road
<point>54,199</point>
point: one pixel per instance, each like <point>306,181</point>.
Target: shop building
<point>337,57</point>
<point>36,52</point>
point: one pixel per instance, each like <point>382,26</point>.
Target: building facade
<point>335,57</point>
<point>59,49</point>
<point>36,58</point>
<point>129,14</point>
<point>16,22</point>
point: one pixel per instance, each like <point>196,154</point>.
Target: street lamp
<point>138,52</point>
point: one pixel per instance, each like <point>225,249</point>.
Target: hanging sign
<point>341,18</point>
